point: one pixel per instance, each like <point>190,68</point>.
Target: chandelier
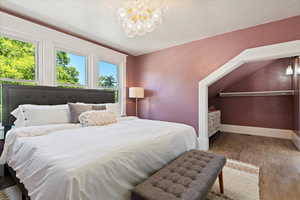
<point>138,17</point>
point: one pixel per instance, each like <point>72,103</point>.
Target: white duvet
<point>68,162</point>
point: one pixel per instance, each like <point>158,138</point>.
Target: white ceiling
<point>185,20</point>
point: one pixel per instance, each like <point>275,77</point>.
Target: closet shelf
<point>258,93</point>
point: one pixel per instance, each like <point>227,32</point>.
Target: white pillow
<point>20,119</point>
<point>35,115</point>
<point>97,118</point>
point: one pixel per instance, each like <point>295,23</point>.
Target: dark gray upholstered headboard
<point>15,95</point>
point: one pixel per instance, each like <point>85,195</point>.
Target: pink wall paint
<point>235,76</point>
<point>131,81</point>
<point>171,76</point>
<point>268,112</point>
<point>270,77</point>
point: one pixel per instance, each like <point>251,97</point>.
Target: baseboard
<point>296,140</point>
<point>258,131</point>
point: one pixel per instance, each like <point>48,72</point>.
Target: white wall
<point>48,40</point>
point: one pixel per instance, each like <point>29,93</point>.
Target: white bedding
<point>68,162</point>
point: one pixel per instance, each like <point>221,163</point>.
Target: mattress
<point>69,162</point>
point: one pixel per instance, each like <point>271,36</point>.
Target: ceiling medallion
<point>138,17</point>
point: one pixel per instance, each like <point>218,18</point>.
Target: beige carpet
<point>240,183</point>
<point>3,196</point>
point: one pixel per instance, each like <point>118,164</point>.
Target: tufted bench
<point>189,177</point>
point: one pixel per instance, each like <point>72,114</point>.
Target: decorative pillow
<point>76,110</point>
<point>36,115</point>
<point>97,118</point>
<point>99,107</point>
<point>114,107</point>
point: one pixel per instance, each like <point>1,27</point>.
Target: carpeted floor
<point>3,196</point>
<point>240,183</point>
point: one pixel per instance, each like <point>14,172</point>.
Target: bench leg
<point>221,183</point>
<point>24,197</point>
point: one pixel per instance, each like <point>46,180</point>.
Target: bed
<point>70,162</point>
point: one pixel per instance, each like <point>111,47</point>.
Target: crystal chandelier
<point>138,17</point>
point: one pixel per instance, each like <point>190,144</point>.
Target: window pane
<point>70,68</point>
<point>108,75</point>
<point>17,59</point>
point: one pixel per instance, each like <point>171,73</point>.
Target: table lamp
<point>137,93</point>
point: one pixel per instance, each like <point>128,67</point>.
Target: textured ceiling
<point>184,21</point>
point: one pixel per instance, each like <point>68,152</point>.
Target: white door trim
<point>281,50</point>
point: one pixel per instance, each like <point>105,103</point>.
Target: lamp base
<point>136,107</point>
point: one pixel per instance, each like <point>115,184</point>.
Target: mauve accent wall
<point>131,81</point>
<point>235,76</point>
<point>267,112</point>
<point>171,76</point>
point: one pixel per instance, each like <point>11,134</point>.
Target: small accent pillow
<point>114,107</point>
<point>97,118</point>
<point>99,107</point>
<point>76,110</point>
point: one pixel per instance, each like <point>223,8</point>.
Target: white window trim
<point>122,95</point>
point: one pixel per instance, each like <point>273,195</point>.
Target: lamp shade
<point>136,92</point>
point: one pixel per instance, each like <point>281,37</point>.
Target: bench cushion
<point>189,177</point>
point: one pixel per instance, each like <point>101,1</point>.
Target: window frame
<point>37,59</point>
<point>56,84</point>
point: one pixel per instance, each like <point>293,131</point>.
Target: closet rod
<point>258,93</point>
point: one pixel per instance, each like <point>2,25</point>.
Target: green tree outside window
<point>65,74</point>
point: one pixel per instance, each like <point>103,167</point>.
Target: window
<point>70,69</point>
<point>17,63</point>
<point>108,77</point>
<point>17,60</point>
